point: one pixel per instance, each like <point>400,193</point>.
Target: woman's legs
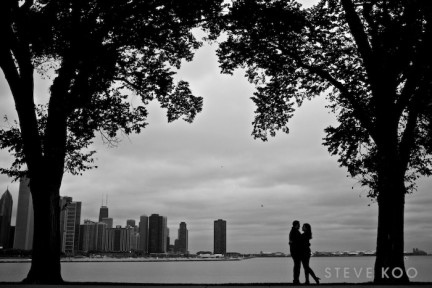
<point>308,271</point>
<point>306,268</point>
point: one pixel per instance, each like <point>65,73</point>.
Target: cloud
<point>213,168</point>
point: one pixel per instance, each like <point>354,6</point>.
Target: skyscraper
<point>134,239</point>
<point>143,232</point>
<point>103,213</point>
<point>100,236</point>
<point>64,202</point>
<point>87,234</point>
<point>6,204</point>
<point>157,234</point>
<point>219,236</point>
<point>168,240</point>
<point>130,222</point>
<point>11,236</point>
<point>182,239</point>
<point>108,222</point>
<point>118,239</point>
<point>24,219</point>
<point>70,217</point>
<point>93,238</point>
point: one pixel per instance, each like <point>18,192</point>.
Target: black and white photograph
<point>216,142</point>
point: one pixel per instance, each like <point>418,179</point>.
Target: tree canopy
<point>100,53</point>
<point>293,54</point>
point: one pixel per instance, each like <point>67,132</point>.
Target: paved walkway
<point>259,285</point>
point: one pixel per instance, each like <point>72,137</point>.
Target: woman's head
<point>307,229</point>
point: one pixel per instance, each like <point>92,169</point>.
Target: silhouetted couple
<point>300,251</point>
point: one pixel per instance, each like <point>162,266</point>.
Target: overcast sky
<point>214,169</point>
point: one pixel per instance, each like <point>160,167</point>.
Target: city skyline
<point>214,169</point>
<point>104,210</point>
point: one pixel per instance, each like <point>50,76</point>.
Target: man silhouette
<point>294,242</point>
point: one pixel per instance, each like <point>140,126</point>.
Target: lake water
<point>255,270</point>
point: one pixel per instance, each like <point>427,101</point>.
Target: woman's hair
<point>308,230</point>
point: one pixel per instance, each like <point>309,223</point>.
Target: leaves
<point>371,61</point>
<point>102,52</point>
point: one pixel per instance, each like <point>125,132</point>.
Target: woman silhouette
<point>306,253</point>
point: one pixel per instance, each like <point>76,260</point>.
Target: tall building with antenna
<point>103,211</point>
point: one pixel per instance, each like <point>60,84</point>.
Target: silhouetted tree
<point>372,60</point>
<point>101,51</point>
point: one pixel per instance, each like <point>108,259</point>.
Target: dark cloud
<point>214,169</point>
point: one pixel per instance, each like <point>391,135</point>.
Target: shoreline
<point>106,259</point>
<point>161,259</point>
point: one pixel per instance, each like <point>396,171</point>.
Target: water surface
<point>255,270</point>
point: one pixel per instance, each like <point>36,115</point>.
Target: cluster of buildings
<point>149,236</point>
<point>19,236</point>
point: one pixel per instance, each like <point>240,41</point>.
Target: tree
<point>371,59</point>
<point>100,51</point>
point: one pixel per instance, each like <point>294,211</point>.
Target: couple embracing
<point>300,251</point>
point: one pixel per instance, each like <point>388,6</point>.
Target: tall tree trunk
<point>45,162</point>
<point>45,187</point>
<point>389,264</point>
<point>45,266</point>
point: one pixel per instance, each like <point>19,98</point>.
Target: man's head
<point>296,224</point>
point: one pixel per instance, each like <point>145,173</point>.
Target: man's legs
<point>296,270</point>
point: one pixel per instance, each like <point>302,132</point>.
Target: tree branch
<point>134,86</point>
<point>407,141</point>
<point>7,64</point>
<point>361,38</point>
<point>416,71</point>
<point>367,9</point>
<point>18,72</point>
<point>359,111</point>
